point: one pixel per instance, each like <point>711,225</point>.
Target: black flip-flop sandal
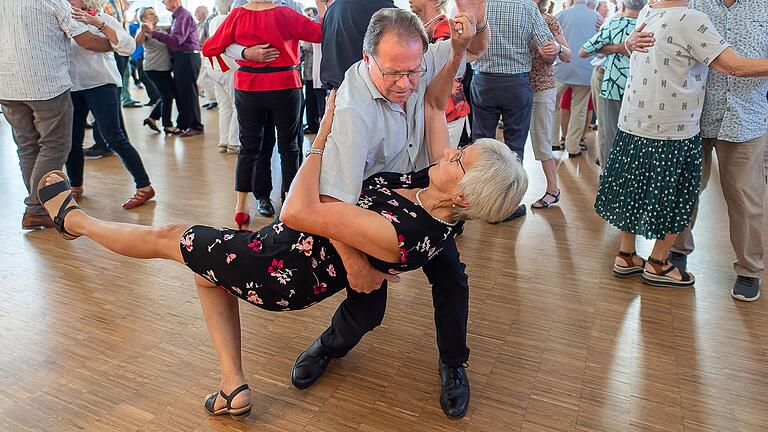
<point>235,412</point>
<point>628,271</point>
<point>663,279</point>
<point>543,204</point>
<point>583,145</point>
<point>46,193</point>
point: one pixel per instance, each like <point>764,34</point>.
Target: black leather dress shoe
<point>454,395</point>
<point>310,365</point>
<point>265,207</point>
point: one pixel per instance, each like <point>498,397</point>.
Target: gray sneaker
<point>746,289</point>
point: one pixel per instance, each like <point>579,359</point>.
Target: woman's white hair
<point>93,4</point>
<point>495,185</point>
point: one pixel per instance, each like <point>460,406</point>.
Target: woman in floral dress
<point>400,222</point>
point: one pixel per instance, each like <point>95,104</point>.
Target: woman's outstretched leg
<point>222,317</point>
<point>136,241</point>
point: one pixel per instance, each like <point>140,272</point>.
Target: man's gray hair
<point>495,185</point>
<point>635,5</point>
<point>592,4</point>
<point>404,25</point>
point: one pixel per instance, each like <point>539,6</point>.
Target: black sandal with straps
<point>47,193</point>
<point>630,270</point>
<point>235,412</point>
<point>541,204</point>
<point>663,278</point>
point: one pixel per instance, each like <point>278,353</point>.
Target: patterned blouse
<point>542,75</point>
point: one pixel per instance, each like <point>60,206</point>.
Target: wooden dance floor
<point>95,342</point>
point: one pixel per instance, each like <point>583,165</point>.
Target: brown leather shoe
<point>139,198</point>
<point>191,133</point>
<point>32,221</point>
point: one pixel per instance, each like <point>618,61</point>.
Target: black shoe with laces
<point>454,392</point>
<point>95,152</point>
<point>310,365</point>
<point>265,207</point>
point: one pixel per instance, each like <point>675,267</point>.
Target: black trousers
<point>186,68</point>
<point>152,91</point>
<point>104,103</point>
<point>467,81</point>
<point>361,313</point>
<point>254,111</point>
<point>315,104</point>
<point>163,81</point>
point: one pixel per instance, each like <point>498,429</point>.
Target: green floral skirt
<point>649,186</point>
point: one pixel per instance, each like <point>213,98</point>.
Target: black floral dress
<point>279,269</point>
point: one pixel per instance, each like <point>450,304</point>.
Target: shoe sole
<point>662,281</point>
<point>745,299</point>
<point>627,272</point>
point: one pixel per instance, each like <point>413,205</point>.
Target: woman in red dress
<point>264,90</point>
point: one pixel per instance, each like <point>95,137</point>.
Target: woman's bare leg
<point>627,243</point>
<point>222,317</point>
<point>660,252</point>
<point>136,241</point>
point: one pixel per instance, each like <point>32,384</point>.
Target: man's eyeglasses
<point>397,76</point>
<point>457,158</point>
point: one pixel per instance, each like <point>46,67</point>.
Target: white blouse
<point>90,69</point>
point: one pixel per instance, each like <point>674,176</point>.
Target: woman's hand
<point>463,29</point>
<point>85,18</point>
<point>326,122</point>
<point>148,27</point>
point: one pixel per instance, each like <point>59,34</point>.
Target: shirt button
<point>410,145</point>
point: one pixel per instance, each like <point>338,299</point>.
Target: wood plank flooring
<point>95,342</point>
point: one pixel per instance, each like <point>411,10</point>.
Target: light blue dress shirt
<point>579,24</point>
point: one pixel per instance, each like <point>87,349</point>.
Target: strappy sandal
<point>542,204</point>
<point>46,193</point>
<point>630,269</point>
<point>663,278</point>
<point>583,145</point>
<point>235,412</point>
<point>561,146</point>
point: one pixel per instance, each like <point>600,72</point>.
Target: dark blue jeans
<point>507,96</point>
<point>104,103</point>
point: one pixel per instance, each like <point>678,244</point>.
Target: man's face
<point>603,9</point>
<point>171,5</point>
<point>201,14</point>
<point>395,56</point>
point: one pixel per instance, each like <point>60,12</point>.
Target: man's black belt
<point>267,69</point>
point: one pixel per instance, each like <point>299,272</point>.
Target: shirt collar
<point>365,74</point>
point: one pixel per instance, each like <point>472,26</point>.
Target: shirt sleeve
<point>701,40</point>
<point>126,44</point>
<point>599,40</point>
<point>344,157</point>
<point>303,28</point>
<point>218,43</point>
<point>182,30</point>
<point>541,33</point>
<point>62,11</point>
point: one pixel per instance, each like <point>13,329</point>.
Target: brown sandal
<point>662,278</point>
<point>630,269</point>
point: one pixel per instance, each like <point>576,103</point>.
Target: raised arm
<point>479,43</point>
<point>346,223</point>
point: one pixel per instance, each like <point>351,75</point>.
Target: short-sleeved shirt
<point>735,109</point>
<point>371,134</point>
<point>616,66</point>
<point>578,23</point>
<point>90,69</point>
<point>514,25</point>
<point>35,39</point>
<point>542,76</point>
<point>665,91</point>
<point>280,27</point>
<point>344,26</point>
<point>156,55</point>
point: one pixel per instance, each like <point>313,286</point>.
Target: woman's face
<point>450,169</point>
<point>149,16</point>
<point>77,4</point>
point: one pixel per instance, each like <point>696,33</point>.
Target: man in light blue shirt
<point>579,24</point>
<point>733,123</point>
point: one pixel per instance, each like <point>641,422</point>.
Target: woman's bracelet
<point>316,151</point>
<point>102,26</point>
<point>483,28</point>
<point>626,45</point>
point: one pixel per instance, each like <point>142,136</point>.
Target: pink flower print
<point>385,191</point>
<point>275,267</point>
<point>322,254</point>
<point>393,203</point>
<point>403,255</point>
<point>187,241</point>
<point>318,289</point>
<point>255,245</point>
<point>254,298</point>
<point>283,303</point>
<point>304,245</point>
<point>228,237</point>
<point>331,271</point>
<point>380,180</point>
<point>230,258</point>
<point>405,178</point>
<point>400,240</point>
<point>237,290</point>
<point>291,293</point>
<point>314,263</point>
<point>389,216</point>
<point>278,228</point>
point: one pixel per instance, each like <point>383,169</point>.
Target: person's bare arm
<point>565,51</point>
<point>92,42</point>
<point>731,63</point>
<point>479,43</point>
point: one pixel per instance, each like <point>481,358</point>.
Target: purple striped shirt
<point>183,35</point>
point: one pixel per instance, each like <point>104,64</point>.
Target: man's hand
<point>149,27</point>
<point>639,40</point>
<point>261,53</point>
<point>463,29</point>
<point>362,277</point>
<point>550,50</point>
<point>475,7</point>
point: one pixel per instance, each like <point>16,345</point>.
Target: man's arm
<point>181,32</point>
<point>92,42</point>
